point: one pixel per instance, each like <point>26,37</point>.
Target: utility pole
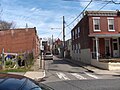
<point>63,37</point>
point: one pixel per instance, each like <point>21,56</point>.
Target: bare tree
<point>6,25</point>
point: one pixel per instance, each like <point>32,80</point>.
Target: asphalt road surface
<point>63,75</point>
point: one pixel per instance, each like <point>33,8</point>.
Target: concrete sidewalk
<point>96,70</point>
<point>101,71</point>
<point>38,71</point>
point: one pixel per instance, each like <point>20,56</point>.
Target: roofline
<point>102,13</point>
<point>18,29</point>
<point>104,35</point>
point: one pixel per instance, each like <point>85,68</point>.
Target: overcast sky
<point>47,14</point>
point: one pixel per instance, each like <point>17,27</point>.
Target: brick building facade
<point>97,36</point>
<point>20,41</point>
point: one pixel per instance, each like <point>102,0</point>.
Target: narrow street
<point>63,72</point>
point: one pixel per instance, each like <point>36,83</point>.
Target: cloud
<point>33,9</point>
<point>37,14</point>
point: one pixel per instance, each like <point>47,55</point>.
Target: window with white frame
<point>96,23</point>
<point>75,33</point>
<point>111,24</point>
<point>78,31</point>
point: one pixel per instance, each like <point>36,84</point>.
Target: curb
<point>35,75</point>
<point>88,69</point>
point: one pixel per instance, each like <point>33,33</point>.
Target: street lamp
<point>52,37</point>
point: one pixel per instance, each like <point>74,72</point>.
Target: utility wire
<point>115,2</point>
<point>45,33</point>
<point>80,13</point>
<point>69,31</point>
<point>104,5</point>
<point>87,0</point>
<point>59,34</point>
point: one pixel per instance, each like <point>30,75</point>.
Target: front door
<point>107,48</point>
<point>115,48</point>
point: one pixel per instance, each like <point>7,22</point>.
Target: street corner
<point>35,75</point>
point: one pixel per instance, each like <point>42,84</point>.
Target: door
<point>107,48</point>
<point>115,48</point>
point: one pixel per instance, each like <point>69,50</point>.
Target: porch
<point>105,47</point>
<point>107,64</point>
<point>105,52</point>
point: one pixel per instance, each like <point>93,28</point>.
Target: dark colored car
<point>18,82</point>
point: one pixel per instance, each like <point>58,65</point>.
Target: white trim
<point>96,30</point>
<point>117,46</point>
<point>110,17</point>
<point>96,17</point>
<point>96,41</point>
<point>110,30</point>
<point>113,24</point>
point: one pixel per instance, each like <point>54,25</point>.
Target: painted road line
<point>78,76</point>
<point>62,76</point>
<point>93,76</point>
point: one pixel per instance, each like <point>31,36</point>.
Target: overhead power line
<point>59,34</point>
<point>80,13</point>
<point>104,5</point>
<point>115,2</point>
<point>88,0</point>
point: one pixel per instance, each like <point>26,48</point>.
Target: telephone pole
<point>63,37</point>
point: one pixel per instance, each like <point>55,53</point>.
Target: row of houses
<point>22,40</point>
<point>96,36</point>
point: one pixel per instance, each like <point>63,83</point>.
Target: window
<point>76,48</point>
<point>78,31</point>
<point>73,35</point>
<point>111,24</point>
<point>96,23</point>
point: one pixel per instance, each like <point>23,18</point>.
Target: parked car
<point>48,55</point>
<point>18,82</point>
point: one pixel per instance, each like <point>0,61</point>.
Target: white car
<point>48,55</point>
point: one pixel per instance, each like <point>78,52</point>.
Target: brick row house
<point>20,41</point>
<point>96,36</point>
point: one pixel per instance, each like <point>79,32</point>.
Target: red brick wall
<point>84,32</point>
<point>18,40</point>
<point>104,25</point>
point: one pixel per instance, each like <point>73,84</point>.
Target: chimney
<point>118,12</point>
<point>26,27</point>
